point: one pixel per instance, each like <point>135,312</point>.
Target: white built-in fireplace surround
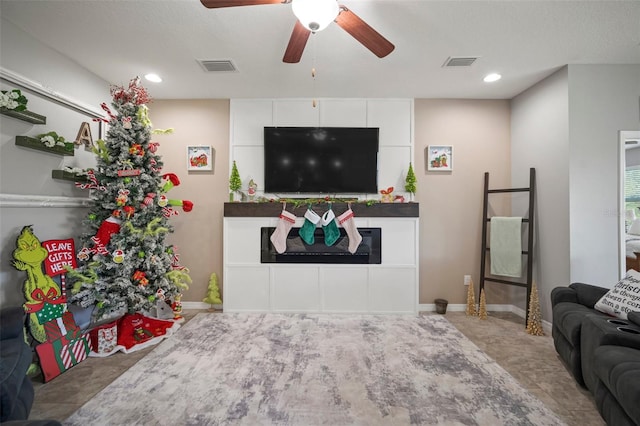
<point>388,287</point>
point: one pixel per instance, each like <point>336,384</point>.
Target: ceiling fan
<point>313,16</point>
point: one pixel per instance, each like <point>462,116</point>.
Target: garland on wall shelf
<point>14,104</point>
<point>13,100</point>
<point>70,175</point>
<point>33,143</point>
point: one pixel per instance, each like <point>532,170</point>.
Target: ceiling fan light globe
<point>315,15</point>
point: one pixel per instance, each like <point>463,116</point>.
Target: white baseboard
<point>431,307</point>
<point>423,307</point>
<point>200,305</point>
<point>461,307</point>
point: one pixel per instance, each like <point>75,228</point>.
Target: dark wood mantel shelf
<point>359,209</point>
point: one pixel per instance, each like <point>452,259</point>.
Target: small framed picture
<point>199,157</point>
<point>439,158</point>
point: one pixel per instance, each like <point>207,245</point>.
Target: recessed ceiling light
<point>154,78</point>
<point>490,78</point>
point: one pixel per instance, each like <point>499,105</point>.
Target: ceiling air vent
<point>223,65</point>
<point>466,61</point>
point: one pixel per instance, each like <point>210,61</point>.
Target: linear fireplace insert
<point>368,252</point>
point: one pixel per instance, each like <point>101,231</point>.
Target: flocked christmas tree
<point>534,319</point>
<point>124,263</point>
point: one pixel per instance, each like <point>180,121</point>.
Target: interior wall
<point>451,202</point>
<point>568,125</point>
<point>603,100</point>
<point>540,139</point>
<point>198,234</point>
<point>21,53</point>
<point>28,172</point>
<point>450,222</point>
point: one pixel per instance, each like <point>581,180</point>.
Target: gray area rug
<point>300,369</point>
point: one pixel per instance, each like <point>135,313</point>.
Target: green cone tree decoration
<point>410,181</point>
<point>234,181</point>
<point>213,291</point>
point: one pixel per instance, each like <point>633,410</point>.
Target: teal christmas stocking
<point>311,219</point>
<point>330,227</point>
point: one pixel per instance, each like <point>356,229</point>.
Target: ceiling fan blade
<point>296,45</point>
<point>214,4</point>
<point>362,32</point>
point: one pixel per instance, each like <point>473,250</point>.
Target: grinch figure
<point>44,297</point>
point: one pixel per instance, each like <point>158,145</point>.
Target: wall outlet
<point>467,279</point>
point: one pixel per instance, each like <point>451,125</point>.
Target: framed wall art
<point>439,158</point>
<point>199,157</point>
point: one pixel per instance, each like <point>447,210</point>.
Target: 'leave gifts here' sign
<point>61,253</point>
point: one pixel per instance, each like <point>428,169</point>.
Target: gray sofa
<point>16,389</point>
<point>601,352</point>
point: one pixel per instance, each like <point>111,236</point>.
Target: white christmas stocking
<point>346,221</point>
<point>279,236</point>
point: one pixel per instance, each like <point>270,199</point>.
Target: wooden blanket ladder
<point>531,189</point>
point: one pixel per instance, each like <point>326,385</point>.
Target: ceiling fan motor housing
<point>315,15</point>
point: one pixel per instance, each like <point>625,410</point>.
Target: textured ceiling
<point>523,40</point>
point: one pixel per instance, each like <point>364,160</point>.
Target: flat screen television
<point>324,160</point>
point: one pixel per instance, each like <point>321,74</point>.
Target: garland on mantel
<point>297,202</point>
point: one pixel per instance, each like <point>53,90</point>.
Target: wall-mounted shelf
<point>64,175</point>
<point>28,116</point>
<point>34,143</point>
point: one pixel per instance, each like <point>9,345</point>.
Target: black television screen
<point>321,159</point>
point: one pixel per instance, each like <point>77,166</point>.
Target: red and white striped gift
<point>74,352</point>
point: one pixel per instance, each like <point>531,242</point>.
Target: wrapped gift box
<point>58,356</point>
<point>64,326</point>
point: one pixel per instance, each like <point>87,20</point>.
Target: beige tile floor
<point>532,360</point>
